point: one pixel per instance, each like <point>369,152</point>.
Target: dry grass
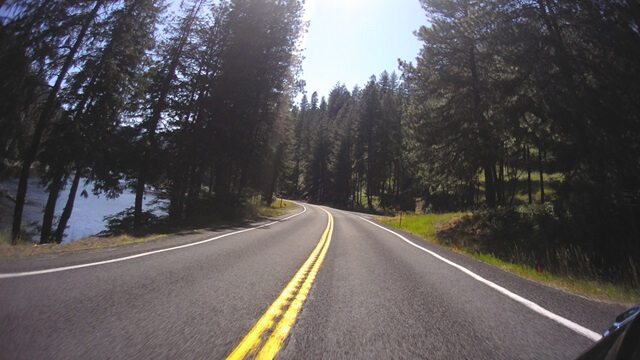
<point>30,250</point>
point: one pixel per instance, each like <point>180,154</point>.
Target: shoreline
<point>27,250</point>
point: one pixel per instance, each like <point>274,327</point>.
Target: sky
<point>350,40</point>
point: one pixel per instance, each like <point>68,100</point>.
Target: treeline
<point>125,94</point>
<point>501,91</point>
<point>496,79</point>
<point>348,150</point>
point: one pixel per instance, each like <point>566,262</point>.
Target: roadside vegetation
<point>190,101</point>
<point>523,113</point>
<point>118,236</point>
<point>28,249</point>
<point>480,235</point>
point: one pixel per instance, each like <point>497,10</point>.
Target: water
<point>88,213</point>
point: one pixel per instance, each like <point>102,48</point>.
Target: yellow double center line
<point>268,335</point>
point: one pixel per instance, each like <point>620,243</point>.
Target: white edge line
<point>47,271</point>
<point>528,303</point>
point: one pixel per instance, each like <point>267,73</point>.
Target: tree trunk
<point>41,124</point>
<point>50,208</point>
<point>210,179</point>
<point>273,183</point>
<point>484,134</point>
<point>541,176</point>
<point>471,186</point>
<point>159,107</point>
<point>194,190</point>
<point>528,155</point>
<point>66,213</point>
<point>513,182</point>
<point>137,209</point>
<point>176,205</point>
<point>501,178</point>
<point>489,184</point>
<point>383,194</point>
<point>398,179</point>
<point>356,190</point>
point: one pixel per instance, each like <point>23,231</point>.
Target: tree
<point>171,58</point>
<point>454,84</point>
<point>99,93</point>
<point>39,15</point>
<point>234,128</point>
<point>371,143</point>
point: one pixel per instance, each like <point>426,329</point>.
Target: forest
<point>524,113</point>
<point>126,94</point>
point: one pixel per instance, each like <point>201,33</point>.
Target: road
<point>324,283</point>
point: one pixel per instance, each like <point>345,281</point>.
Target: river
<point>88,213</point>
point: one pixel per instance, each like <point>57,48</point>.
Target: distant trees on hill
<point>349,150</point>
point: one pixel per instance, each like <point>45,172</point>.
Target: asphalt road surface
<point>321,284</point>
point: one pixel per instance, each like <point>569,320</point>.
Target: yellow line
<point>294,293</point>
<point>279,335</point>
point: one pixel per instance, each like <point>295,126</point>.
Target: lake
<point>88,213</point>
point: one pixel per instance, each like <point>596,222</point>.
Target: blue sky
<point>350,40</point>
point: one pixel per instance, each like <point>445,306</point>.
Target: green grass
<point>5,237</point>
<point>427,225</point>
<point>551,183</point>
<point>424,226</point>
<point>277,208</point>
<point>24,238</point>
<point>587,288</point>
<point>521,194</point>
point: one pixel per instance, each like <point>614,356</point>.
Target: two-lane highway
<point>380,297</point>
<point>322,284</point>
<point>191,302</point>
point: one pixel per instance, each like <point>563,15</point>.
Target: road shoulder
<point>92,249</point>
<point>593,314</point>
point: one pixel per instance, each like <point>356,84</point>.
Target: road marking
<point>65,268</point>
<point>528,303</point>
<point>292,298</point>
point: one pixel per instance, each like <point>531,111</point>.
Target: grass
<point>521,195</point>
<point>426,226</point>
<point>278,208</point>
<point>5,238</point>
<point>592,289</point>
<point>24,250</point>
<point>28,249</point>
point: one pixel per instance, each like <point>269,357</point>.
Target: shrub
<point>545,235</point>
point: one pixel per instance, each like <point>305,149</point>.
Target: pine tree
<point>453,87</point>
<point>172,56</point>
<point>100,92</point>
<point>37,23</point>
